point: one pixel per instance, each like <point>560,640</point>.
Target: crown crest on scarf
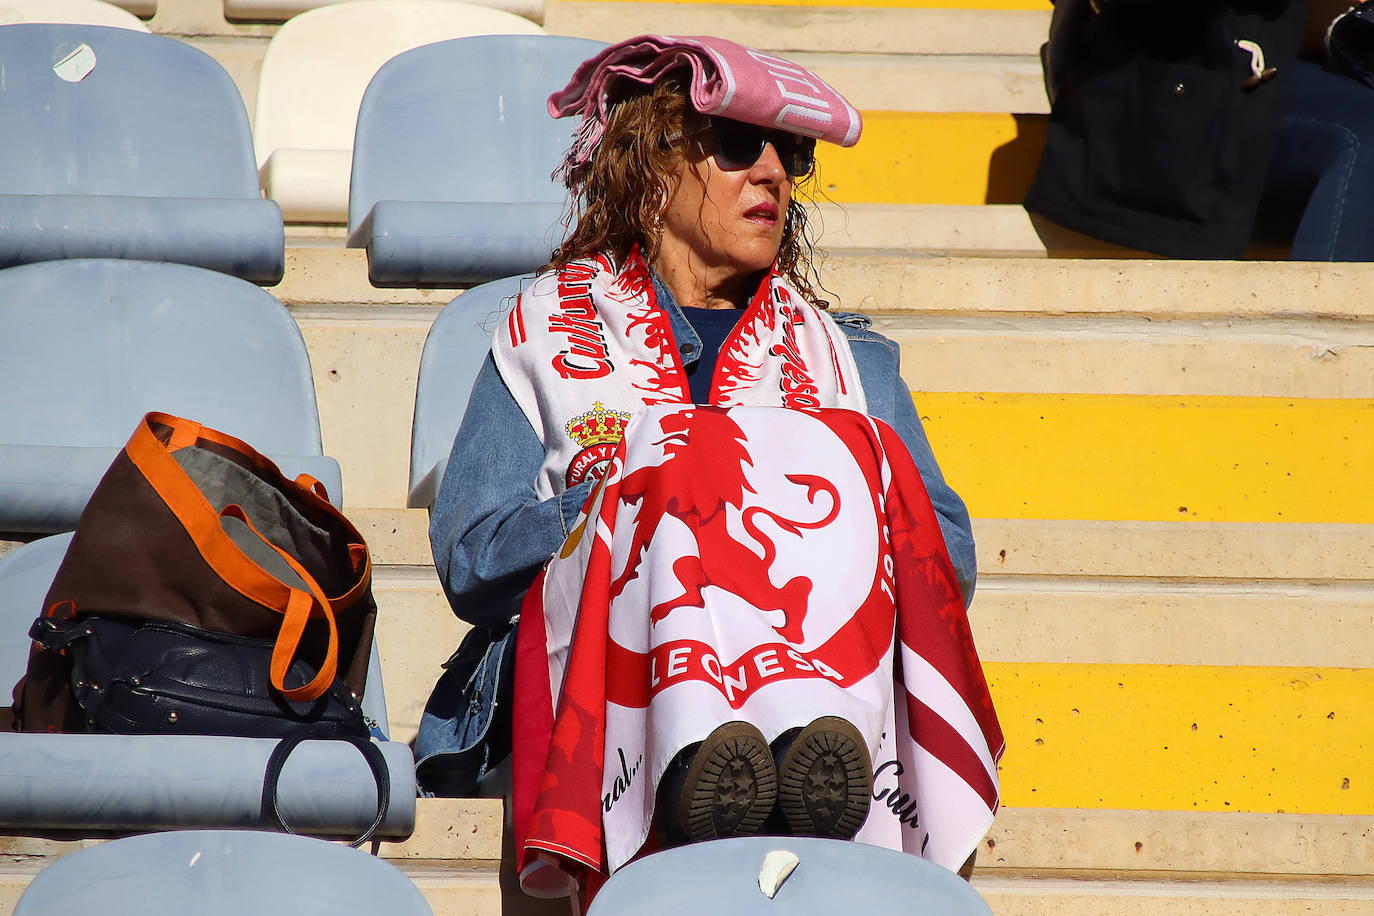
<point>598,426</point>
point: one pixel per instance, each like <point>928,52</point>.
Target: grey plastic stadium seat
<point>87,347</point>
<point>99,783</point>
<point>722,877</point>
<point>26,573</point>
<point>121,144</point>
<point>221,873</point>
<point>312,80</point>
<point>452,158</point>
<point>455,347</point>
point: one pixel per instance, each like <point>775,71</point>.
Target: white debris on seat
<point>777,865</point>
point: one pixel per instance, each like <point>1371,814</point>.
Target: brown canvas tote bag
<point>193,526</point>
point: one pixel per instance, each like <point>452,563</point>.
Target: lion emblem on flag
<point>718,452</point>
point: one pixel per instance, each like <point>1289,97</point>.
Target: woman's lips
<point>766,213</point>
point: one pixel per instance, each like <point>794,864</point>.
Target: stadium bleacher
<point>462,195</point>
<point>155,336</point>
<point>311,84</point>
<point>1164,461</point>
<point>221,872</point>
<point>135,146</point>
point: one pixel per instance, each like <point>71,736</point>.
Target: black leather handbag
<point>160,677</point>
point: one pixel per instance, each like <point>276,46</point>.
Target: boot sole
<point>731,785</point>
<point>825,780</point>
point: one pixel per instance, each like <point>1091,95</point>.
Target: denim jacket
<point>490,535</point>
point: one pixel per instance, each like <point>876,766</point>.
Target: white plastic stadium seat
<point>313,77</point>
<point>80,12</point>
<point>282,10</point>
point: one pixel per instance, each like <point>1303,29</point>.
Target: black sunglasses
<point>739,146</point>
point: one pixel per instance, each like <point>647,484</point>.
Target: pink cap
<point>727,79</point>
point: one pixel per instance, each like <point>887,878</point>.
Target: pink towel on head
<point>727,79</point>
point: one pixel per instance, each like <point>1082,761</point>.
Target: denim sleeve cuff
<point>570,503</point>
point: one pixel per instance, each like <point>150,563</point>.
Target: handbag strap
<point>300,608</point>
<point>271,804</point>
<point>54,635</point>
<point>313,486</point>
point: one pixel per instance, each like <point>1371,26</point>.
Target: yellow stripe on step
<point>907,157</point>
<point>1151,458</point>
<point>1193,738</point>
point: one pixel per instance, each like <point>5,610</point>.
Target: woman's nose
<point>768,167</point>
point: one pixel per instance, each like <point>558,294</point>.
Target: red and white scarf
<point>586,347</point>
<point>757,564</point>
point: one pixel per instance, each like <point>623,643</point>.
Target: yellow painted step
<point>1187,738</point>
<point>907,157</point>
<point>1155,458</point>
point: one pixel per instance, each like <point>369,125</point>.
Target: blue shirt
<point>713,326</point>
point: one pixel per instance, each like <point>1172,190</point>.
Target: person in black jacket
<point>1178,126</point>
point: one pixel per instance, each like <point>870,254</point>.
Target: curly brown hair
<point>619,195</point>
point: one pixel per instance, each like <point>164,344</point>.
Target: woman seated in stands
<point>685,286</point>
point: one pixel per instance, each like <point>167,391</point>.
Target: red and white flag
<point>758,564</point>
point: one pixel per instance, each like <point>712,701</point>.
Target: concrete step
<point>454,857</point>
<point>1001,84</point>
<point>883,58</point>
<point>941,230</point>
<point>889,284</point>
<point>795,27</point>
<point>1225,719</point>
<point>1060,843</point>
<point>951,230</point>
<point>1071,604</point>
<point>1019,325</point>
<point>201,18</point>
<point>1033,861</point>
<point>1061,620</point>
<point>1147,289</point>
<point>1051,552</point>
<point>961,128</point>
<point>142,8</point>
<point>1243,357</point>
<point>1046,896</point>
<point>1139,863</point>
<point>932,81</point>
